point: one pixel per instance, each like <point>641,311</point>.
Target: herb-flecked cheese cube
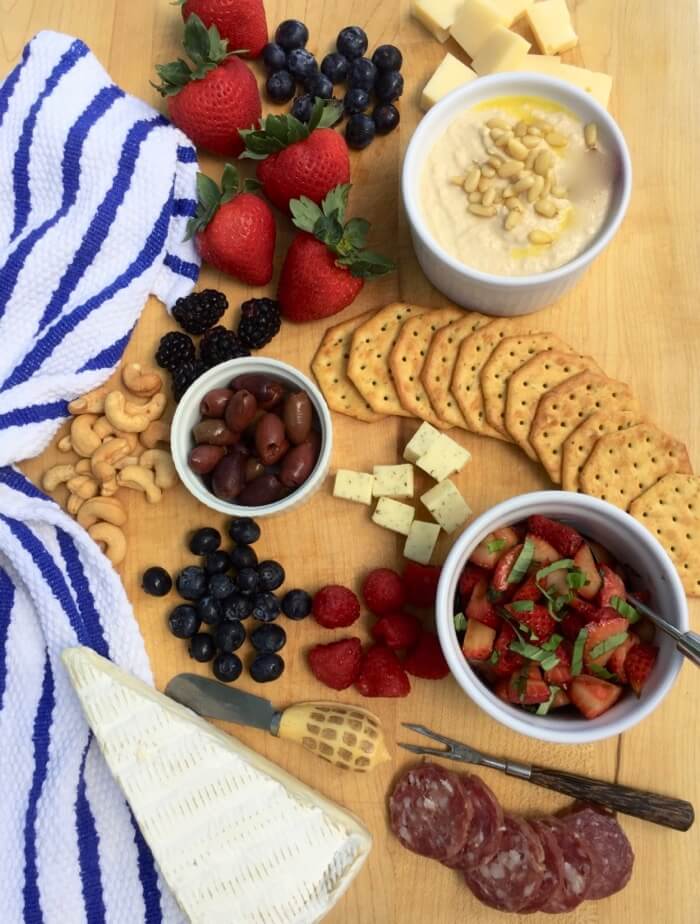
<point>443,458</point>
<point>551,25</point>
<point>447,506</point>
<point>420,542</point>
<point>353,486</point>
<point>420,442</point>
<point>393,481</point>
<point>475,22</point>
<point>394,515</point>
<point>437,15</point>
<point>449,75</point>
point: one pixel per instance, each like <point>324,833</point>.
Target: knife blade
<point>213,700</point>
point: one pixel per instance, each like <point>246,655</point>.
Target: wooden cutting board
<point>635,312</point>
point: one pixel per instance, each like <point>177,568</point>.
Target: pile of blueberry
<point>289,62</point>
<point>227,588</point>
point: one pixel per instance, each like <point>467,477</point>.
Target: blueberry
<point>291,34</point>
<point>301,64</point>
<point>386,118</point>
<point>335,67</point>
<point>237,606</point>
<point>274,57</point>
<point>268,638</point>
<point>221,585</point>
<point>209,610</point>
<point>243,557</point>
<point>218,562</point>
<point>229,636</point>
<point>271,575</point>
<point>266,607</point>
<point>247,580</point>
<point>202,647</point>
<point>191,582</point>
<point>356,100</point>
<point>359,132</point>
<point>352,42</point>
<point>362,74</point>
<point>296,604</point>
<point>205,540</point>
<point>319,85</point>
<point>244,531</point>
<point>156,581</point>
<point>302,106</point>
<point>388,86</point>
<point>183,621</point>
<point>280,86</point>
<point>387,58</point>
<point>266,667</point>
<point>227,667</point>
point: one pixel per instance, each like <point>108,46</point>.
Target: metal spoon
<point>688,643</point>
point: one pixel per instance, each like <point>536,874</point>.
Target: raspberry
<point>426,659</point>
<point>563,538</point>
<point>173,350</point>
<point>383,591</point>
<point>260,322</point>
<point>397,630</point>
<point>219,345</point>
<point>381,674</point>
<point>420,583</point>
<point>335,607</point>
<point>199,311</point>
<point>337,665</point>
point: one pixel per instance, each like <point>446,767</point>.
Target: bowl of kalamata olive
<point>252,437</point>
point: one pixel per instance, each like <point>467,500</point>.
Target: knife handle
<point>348,736</point>
<point>662,810</point>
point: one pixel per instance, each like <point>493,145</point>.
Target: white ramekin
<point>631,544</point>
<point>188,414</point>
<point>471,288</point>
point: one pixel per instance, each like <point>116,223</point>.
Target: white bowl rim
<point>535,82</point>
<point>581,731</point>
<point>213,378</point>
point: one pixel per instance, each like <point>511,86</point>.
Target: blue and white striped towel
<point>95,191</point>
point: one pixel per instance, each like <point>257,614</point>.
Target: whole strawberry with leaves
<point>242,22</point>
<point>234,229</point>
<point>326,265</point>
<point>299,159</point>
<point>215,97</point>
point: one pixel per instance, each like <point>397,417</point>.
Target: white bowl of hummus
<point>513,184</point>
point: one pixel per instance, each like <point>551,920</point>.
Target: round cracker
<point>579,445</point>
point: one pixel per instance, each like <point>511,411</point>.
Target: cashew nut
<point>59,474</point>
<point>82,467</point>
<point>140,479</point>
<point>103,459</point>
<point>75,502</point>
<point>140,381</point>
<point>162,463</point>
<point>91,403</point>
<point>133,418</point>
<point>109,487</point>
<point>111,540</point>
<point>106,431</point>
<point>64,444</point>
<point>127,460</point>
<point>156,432</point>
<point>84,439</point>
<point>102,508</point>
<point>84,486</point>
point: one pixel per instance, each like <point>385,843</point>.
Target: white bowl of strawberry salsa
<point>534,623</point>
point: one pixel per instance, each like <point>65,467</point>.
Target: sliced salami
<point>509,879</point>
<point>611,853</point>
<point>576,868</point>
<point>429,812</point>
<point>486,822</point>
<point>553,866</point>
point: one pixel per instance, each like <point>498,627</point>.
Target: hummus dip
<point>521,155</point>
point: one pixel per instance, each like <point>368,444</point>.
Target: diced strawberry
<point>420,583</point>
<point>499,581</point>
<point>644,596</point>
<point>571,624</point>
<point>605,612</point>
<point>565,540</point>
<point>468,580</point>
<point>556,581</point>
<point>501,690</point>
<point>560,674</point>
<point>616,664</point>
<point>560,699</point>
<point>426,659</point>
<point>508,661</point>
<point>592,696</point>
<point>481,555</point>
<point>528,590</point>
<point>585,562</point>
<point>601,554</point>
<point>478,641</point>
<point>480,607</point>
<point>540,624</point>
<point>381,674</point>
<point>527,687</point>
<point>645,629</point>
<point>638,665</point>
<point>544,553</point>
<point>612,586</point>
<point>397,630</point>
<point>599,632</point>
<point>585,609</point>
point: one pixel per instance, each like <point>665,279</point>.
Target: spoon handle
<point>689,646</point>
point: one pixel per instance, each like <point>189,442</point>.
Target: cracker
<point>670,510</point>
<point>509,355</point>
<point>368,364</point>
<point>623,465</point>
<point>330,365</point>
<point>565,407</point>
<point>407,359</point>
<point>440,363</point>
<point>579,445</point>
<point>527,385</point>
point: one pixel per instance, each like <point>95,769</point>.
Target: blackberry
<point>197,312</point>
<point>173,350</point>
<point>260,321</point>
<point>219,345</point>
<point>184,375</point>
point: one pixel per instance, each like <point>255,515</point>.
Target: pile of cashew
<point>115,436</point>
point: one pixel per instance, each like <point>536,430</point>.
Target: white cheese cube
<point>420,442</point>
<point>443,458</point>
<point>393,515</point>
<point>597,84</point>
<point>450,74</point>
<point>513,9</point>
<point>353,486</point>
<point>475,22</point>
<point>502,51</point>
<point>421,541</point>
<point>552,27</point>
<point>447,506</point>
<point>436,15</point>
<point>393,481</point>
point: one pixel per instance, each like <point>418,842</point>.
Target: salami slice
<point>429,812</point>
<point>611,853</point>
<point>576,869</point>
<point>553,866</point>
<point>509,880</point>
<point>486,823</point>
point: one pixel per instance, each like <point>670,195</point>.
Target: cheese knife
<point>349,737</point>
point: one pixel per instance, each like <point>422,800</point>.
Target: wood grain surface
<point>635,312</point>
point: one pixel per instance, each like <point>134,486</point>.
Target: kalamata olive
<point>297,416</point>
<point>253,469</point>
<point>315,439</point>
<point>204,458</point>
<point>240,410</point>
<point>214,403</point>
<point>298,464</point>
<point>264,490</point>
<point>227,479</point>
<point>270,439</point>
<point>215,432</point>
<point>268,392</point>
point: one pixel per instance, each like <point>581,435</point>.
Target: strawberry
<point>528,590</point>
<point>235,230</point>
<point>592,696</point>
<point>241,22</point>
<point>587,611</point>
<point>335,607</point>
<point>612,586</point>
<point>397,630</point>
<point>616,664</point>
<point>324,270</point>
<point>217,98</point>
<point>490,549</point>
<point>645,629</point>
<point>600,632</point>
<point>638,664</point>
<point>299,159</point>
<point>563,538</point>
<point>504,566</point>
<point>544,553</point>
<point>538,621</point>
<point>527,687</point>
<point>481,608</point>
<point>478,641</point>
<point>571,624</point>
<point>501,689</point>
<point>508,661</point>
<point>468,580</point>
<point>560,699</point>
<point>381,674</point>
<point>420,583</point>
<point>560,674</point>
<point>426,659</point>
<point>383,591</point>
<point>585,562</point>
<point>337,664</point>
<point>601,555</point>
